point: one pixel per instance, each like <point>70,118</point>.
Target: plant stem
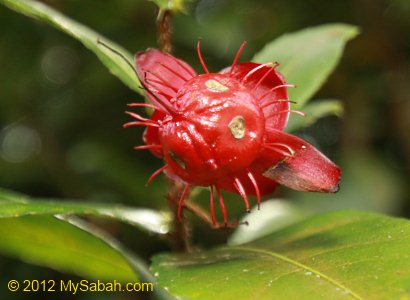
<point>180,236</point>
<point>164,30</point>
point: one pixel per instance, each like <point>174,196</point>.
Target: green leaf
<point>14,205</point>
<point>339,255</point>
<point>308,56</point>
<point>49,242</point>
<point>135,262</point>
<point>74,246</point>
<point>113,61</point>
<point>314,111</point>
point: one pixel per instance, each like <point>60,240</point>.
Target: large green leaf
<point>73,246</point>
<point>49,242</point>
<point>136,263</point>
<point>338,255</point>
<point>307,57</point>
<point>28,232</point>
<point>113,61</point>
<point>15,205</point>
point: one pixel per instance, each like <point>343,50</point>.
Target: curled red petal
<point>304,168</point>
<point>162,73</point>
<point>265,84</point>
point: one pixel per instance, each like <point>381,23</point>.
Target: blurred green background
<point>61,112</point>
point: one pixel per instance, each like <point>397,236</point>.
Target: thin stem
<point>164,29</point>
<point>180,237</point>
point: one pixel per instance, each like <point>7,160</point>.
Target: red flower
<point>225,130</point>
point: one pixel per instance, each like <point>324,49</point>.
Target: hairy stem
<point>164,30</point>
<point>180,237</point>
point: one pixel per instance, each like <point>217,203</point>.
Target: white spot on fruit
<point>215,86</point>
<point>237,127</point>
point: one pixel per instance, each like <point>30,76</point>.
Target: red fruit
<point>224,130</point>
<point>217,131</point>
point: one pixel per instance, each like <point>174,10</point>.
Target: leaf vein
<point>302,266</point>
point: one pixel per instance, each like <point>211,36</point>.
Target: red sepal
<point>306,169</point>
<point>162,73</point>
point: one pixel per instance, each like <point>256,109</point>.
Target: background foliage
<point>61,112</point>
